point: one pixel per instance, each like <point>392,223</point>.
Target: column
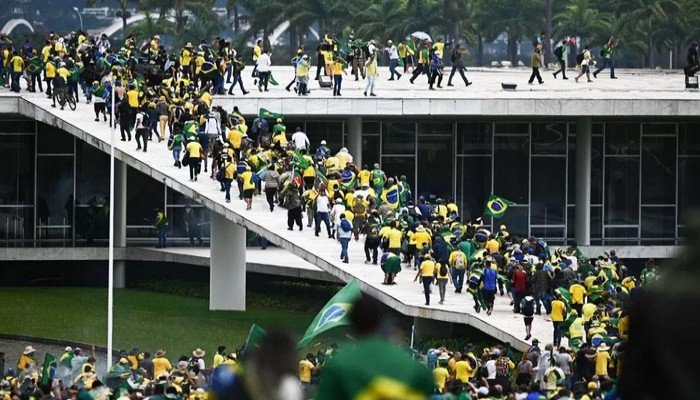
<point>119,221</point>
<point>431,327</point>
<point>354,127</point>
<point>583,181</point>
<point>227,265</point>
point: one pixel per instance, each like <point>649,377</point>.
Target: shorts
<point>248,193</point>
<point>528,320</point>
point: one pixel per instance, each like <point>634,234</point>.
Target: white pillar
<point>354,126</point>
<point>119,221</point>
<point>583,181</point>
<point>227,265</point>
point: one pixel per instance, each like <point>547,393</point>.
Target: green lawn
<point>142,319</point>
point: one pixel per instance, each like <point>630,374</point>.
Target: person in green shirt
<point>374,367</point>
<point>423,65</point>
<point>607,53</point>
<point>378,180</point>
<point>161,224</point>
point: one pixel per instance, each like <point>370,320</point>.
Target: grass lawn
<point>142,319</point>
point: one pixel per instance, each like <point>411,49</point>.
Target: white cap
<point>68,349</point>
<point>323,142</point>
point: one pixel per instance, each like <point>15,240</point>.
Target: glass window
<point>16,225</point>
<point>17,126</point>
<point>571,222</point>
<point>371,127</point>
<point>474,138</point>
<point>330,131</point>
<point>55,190</point>
<point>550,234</point>
<point>398,138</point>
<point>178,228</point>
<point>516,220</point>
<point>52,140</point>
<point>629,234</point>
<point>144,195</point>
<point>177,198</point>
<point>621,191</point>
<point>370,150</point>
<point>659,170</point>
<point>659,129</point>
<point>397,166</point>
<point>621,139</point>
<point>92,174</point>
<point>597,160</point>
<point>511,168</point>
<point>658,222</point>
<point>596,222</point>
<point>432,128</point>
<point>17,173</point>
<point>513,128</point>
<point>473,185</point>
<point>548,197</point>
<point>688,186</point>
<point>91,223</point>
<point>689,139</point>
<point>597,128</point>
<point>549,138</point>
<point>435,169</point>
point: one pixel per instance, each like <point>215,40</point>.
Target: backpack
<point>443,269</point>
<point>559,52</point>
<point>460,262</point>
<point>579,58</point>
<point>373,233</point>
<point>145,120</point>
<point>345,225</point>
<point>529,307</point>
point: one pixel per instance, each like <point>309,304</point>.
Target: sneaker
<point>554,74</point>
<point>613,77</point>
<point>565,78</point>
<point>346,261</point>
<point>595,75</point>
<point>469,83</point>
<point>576,79</point>
<point>528,337</point>
<point>449,84</point>
<point>373,95</point>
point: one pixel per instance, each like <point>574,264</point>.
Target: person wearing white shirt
<point>323,212</point>
<point>264,63</point>
<point>337,210</point>
<point>301,141</point>
<point>393,60</point>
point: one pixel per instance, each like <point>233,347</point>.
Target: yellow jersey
<point>427,269</point>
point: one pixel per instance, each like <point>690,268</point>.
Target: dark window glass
<point>571,170</point>
<point>435,170</point>
<point>16,226</point>
<point>659,129</point>
<point>473,185</point>
<point>177,198</point>
<point>17,126</point>
<point>474,138</point>
<point>621,191</point>
<point>571,222</point>
<point>688,186</point>
<point>17,173</point>
<point>621,139</point>
<point>92,174</point>
<point>397,166</point>
<point>659,170</point>
<point>549,138</point>
<point>370,150</point>
<point>144,196</point>
<point>689,139</point>
<point>596,222</point>
<point>551,235</point>
<point>55,190</point>
<point>513,128</point>
<point>548,197</point>
<point>597,160</point>
<point>91,223</point>
<point>53,140</point>
<point>597,128</point>
<point>621,233</point>
<point>178,228</point>
<point>371,127</point>
<point>431,128</point>
<point>511,168</point>
<point>658,222</point>
<point>330,131</point>
<point>515,219</point>
<point>398,138</point>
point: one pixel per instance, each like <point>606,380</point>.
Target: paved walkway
<point>406,297</point>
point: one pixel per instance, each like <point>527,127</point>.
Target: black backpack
<point>443,270</point>
<point>529,307</point>
<point>579,58</point>
<point>559,51</point>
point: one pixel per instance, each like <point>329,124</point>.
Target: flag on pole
<point>496,206</point>
<point>267,114</point>
<point>255,336</point>
<point>301,162</point>
<point>49,369</point>
<point>335,313</point>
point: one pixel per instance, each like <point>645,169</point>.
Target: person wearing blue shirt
<point>489,280</point>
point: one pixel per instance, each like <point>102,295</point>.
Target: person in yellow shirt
<point>248,187</point>
<point>60,81</point>
<point>440,376</point>
<point>228,164</point>
<point>17,66</point>
<point>463,370</point>
<point>558,316</point>
<point>219,357</point>
<point>49,74</point>
<point>394,236</point>
<point>338,70</point>
<point>235,139</point>
<point>194,151</point>
<point>427,274</point>
<point>306,367</point>
<point>257,52</point>
<point>422,239</point>
<point>160,364</point>
<point>46,52</point>
<point>602,360</point>
<point>492,245</point>
<point>578,296</point>
<point>185,60</point>
<point>363,176</point>
<point>26,360</point>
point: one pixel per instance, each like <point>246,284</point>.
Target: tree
<point>232,8</point>
<point>580,19</point>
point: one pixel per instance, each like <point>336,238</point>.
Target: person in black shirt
<point>693,61</point>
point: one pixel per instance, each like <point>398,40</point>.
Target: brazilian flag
<point>272,80</point>
<point>209,70</point>
<point>335,313</point>
<point>267,114</point>
<point>191,128</point>
<point>35,66</point>
<point>255,336</point>
<point>565,297</point>
<point>49,368</point>
<point>390,196</point>
<point>348,179</point>
<point>496,206</point>
<point>301,162</point>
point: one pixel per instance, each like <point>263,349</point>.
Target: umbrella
<point>421,35</point>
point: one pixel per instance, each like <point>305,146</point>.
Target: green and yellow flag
<point>49,369</point>
<point>335,313</point>
<point>267,114</point>
<point>496,206</point>
<point>255,336</point>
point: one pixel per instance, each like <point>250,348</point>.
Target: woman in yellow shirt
<point>427,274</point>
<point>248,187</point>
<point>394,235</point>
<point>194,151</point>
<point>338,71</point>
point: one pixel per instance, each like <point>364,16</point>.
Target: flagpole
<point>413,331</point>
<point>110,278</point>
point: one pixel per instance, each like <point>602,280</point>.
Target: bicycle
<point>64,97</point>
